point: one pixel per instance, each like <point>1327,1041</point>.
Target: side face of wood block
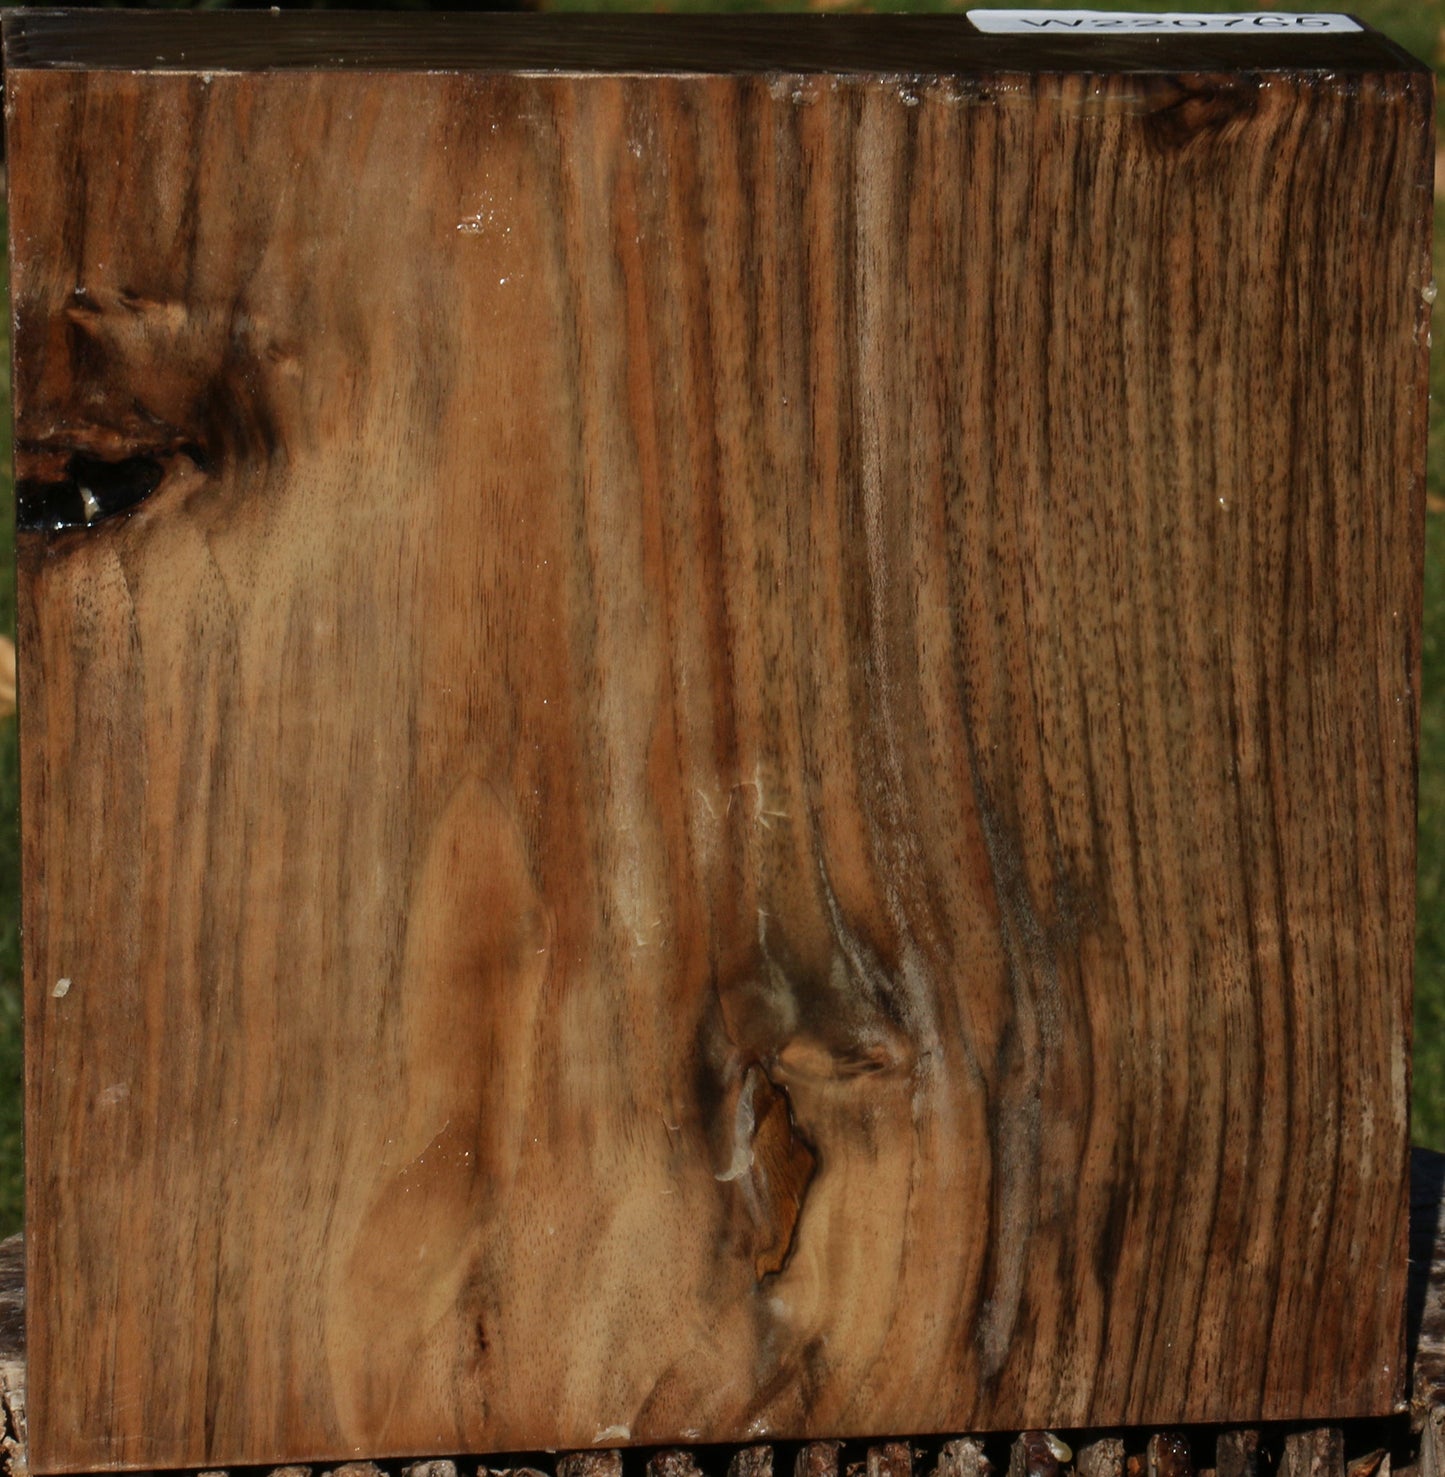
<point>713,755</point>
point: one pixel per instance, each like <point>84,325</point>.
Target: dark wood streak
<point>742,761</point>
<point>922,46</point>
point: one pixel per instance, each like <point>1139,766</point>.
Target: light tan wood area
<point>713,757</point>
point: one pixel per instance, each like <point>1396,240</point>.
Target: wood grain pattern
<point>713,757</point>
<point>1406,1442</point>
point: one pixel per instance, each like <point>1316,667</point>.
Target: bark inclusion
<point>773,1165</point>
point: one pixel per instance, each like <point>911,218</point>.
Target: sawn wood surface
<point>713,757</point>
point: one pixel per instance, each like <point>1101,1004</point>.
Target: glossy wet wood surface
<point>713,757</point>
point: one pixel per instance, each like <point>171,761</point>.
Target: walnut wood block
<point>711,752</point>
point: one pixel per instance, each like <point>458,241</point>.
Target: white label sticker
<point>1118,22</point>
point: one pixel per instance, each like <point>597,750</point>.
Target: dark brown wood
<point>1169,1455</point>
<point>673,1463</point>
<point>817,1459</point>
<point>751,1461</point>
<point>891,1459</point>
<point>1102,1458</point>
<point>1318,1452</point>
<point>1432,1443</point>
<point>902,45</point>
<point>1036,1454</point>
<point>590,1464</point>
<point>713,756</point>
<point>965,1458</point>
<point>1236,1453</point>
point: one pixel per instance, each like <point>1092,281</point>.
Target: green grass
<point>1417,25</point>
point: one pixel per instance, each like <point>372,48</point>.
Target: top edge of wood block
<point>936,45</point>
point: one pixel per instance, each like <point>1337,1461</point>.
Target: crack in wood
<point>91,491</point>
<point>780,1167</point>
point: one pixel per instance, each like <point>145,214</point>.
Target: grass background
<point>1418,25</point>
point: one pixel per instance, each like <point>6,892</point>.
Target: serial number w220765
<point>1092,22</point>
